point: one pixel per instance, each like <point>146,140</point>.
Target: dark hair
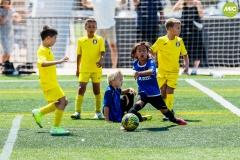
<point>134,48</point>
<point>90,20</point>
<point>1,5</point>
<point>171,21</point>
<point>48,31</point>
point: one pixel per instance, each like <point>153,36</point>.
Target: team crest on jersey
<point>94,41</point>
<point>177,44</point>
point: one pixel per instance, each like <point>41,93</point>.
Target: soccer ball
<point>130,122</point>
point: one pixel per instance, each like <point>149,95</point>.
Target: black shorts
<point>157,101</point>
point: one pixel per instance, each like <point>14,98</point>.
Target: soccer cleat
<point>180,121</point>
<point>147,117</point>
<point>76,115</point>
<point>97,115</point>
<point>58,131</point>
<point>38,117</point>
<point>165,118</point>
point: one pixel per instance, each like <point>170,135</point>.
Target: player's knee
<point>81,90</point>
<point>130,99</point>
<point>64,102</point>
<point>140,103</point>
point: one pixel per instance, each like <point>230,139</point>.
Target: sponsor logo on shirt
<point>177,44</point>
<point>144,78</point>
<point>94,41</point>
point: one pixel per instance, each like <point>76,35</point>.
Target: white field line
<point>7,150</point>
<point>68,80</point>
<point>215,96</point>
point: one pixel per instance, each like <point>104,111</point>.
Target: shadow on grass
<point>47,132</point>
<point>158,129</point>
<point>189,120</point>
<point>87,119</point>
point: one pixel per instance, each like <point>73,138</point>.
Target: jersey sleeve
<point>107,98</point>
<point>79,48</point>
<point>151,66</point>
<point>102,45</point>
<point>41,57</point>
<point>156,46</point>
<point>183,48</point>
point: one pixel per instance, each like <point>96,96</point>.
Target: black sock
<point>131,100</point>
<point>170,116</point>
<point>135,110</point>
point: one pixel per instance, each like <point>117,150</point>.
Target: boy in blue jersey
<point>148,90</point>
<point>114,106</point>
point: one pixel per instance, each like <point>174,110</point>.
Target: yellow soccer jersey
<point>90,49</point>
<point>169,53</point>
<point>47,75</point>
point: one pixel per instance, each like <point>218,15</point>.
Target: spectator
<point>192,10</point>
<point>148,23</point>
<point>104,12</point>
<point>7,15</point>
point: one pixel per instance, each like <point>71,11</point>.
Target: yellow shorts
<point>170,79</point>
<point>54,94</point>
<point>96,77</point>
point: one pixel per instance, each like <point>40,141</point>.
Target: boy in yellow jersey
<point>90,54</point>
<point>169,48</point>
<point>48,81</point>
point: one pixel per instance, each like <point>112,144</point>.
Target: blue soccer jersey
<point>112,101</point>
<point>147,84</point>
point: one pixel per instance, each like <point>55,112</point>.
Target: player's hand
<point>64,59</point>
<point>99,63</point>
<point>136,74</point>
<point>77,73</point>
<point>132,91</point>
<point>185,68</point>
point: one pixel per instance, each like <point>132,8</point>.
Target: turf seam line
<point>7,149</point>
<point>215,96</point>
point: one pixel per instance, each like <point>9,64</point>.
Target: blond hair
<point>171,21</point>
<point>112,75</point>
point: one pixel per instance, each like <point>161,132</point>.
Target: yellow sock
<point>98,101</point>
<point>78,103</point>
<point>57,117</point>
<point>48,108</point>
<point>169,101</point>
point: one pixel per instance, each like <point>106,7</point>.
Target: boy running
<point>53,93</point>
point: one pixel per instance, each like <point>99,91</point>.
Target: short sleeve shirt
<point>147,84</point>
<point>112,101</point>
<point>90,49</point>
<point>104,12</point>
<point>168,53</point>
<point>47,75</point>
